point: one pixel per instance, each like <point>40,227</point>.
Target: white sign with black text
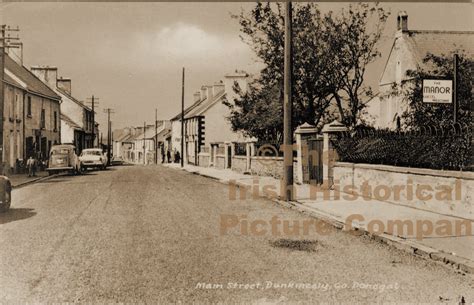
<point>437,91</point>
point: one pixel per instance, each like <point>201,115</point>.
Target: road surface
<point>155,235</point>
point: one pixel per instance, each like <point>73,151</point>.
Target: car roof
<point>63,146</point>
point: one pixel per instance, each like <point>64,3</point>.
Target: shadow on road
<point>16,214</point>
<point>299,245</point>
<point>89,173</point>
<point>53,180</point>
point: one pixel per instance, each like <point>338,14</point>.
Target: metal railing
<point>447,148</point>
<point>240,149</point>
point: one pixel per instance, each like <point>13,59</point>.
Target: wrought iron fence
<point>448,148</point>
<point>240,149</point>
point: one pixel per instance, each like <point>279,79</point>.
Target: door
<point>12,149</point>
<point>229,156</point>
<point>313,161</point>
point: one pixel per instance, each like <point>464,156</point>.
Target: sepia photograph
<point>217,152</point>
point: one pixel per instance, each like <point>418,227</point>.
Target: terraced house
<point>31,116</point>
<point>76,118</point>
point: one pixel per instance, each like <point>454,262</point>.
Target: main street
<point>152,234</point>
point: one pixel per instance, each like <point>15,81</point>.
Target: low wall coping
<point>239,157</point>
<point>267,158</point>
<point>409,170</point>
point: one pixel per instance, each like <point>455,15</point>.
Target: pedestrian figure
<point>177,157</point>
<point>31,164</point>
<point>168,156</point>
<point>162,155</point>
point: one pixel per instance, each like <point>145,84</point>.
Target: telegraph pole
<point>287,184</point>
<point>144,146</point>
<point>108,111</point>
<point>2,95</point>
<point>455,89</point>
<point>182,121</point>
<point>93,102</point>
<point>156,136</point>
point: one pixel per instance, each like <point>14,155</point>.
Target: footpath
<point>20,180</point>
<point>370,217</point>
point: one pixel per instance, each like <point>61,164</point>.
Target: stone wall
<point>239,163</point>
<point>220,161</point>
<point>444,192</point>
<point>204,159</point>
<point>269,166</point>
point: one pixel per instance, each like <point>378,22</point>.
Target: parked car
<point>5,194</point>
<point>63,158</point>
<point>93,158</point>
<point>117,160</point>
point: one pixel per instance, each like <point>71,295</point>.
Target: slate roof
<point>188,109</point>
<point>120,135</point>
<point>206,104</point>
<point>72,98</point>
<point>439,43</point>
<point>34,84</point>
<point>69,121</point>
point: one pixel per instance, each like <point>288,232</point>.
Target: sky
<point>131,55</point>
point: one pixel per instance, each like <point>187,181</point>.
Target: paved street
<point>152,234</point>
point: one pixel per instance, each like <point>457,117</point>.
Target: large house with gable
<point>408,50</point>
<point>206,126</point>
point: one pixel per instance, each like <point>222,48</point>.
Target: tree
<point>330,54</point>
<point>353,46</point>
<point>420,114</point>
<point>258,113</point>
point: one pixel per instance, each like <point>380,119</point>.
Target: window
<point>43,119</point>
<point>17,106</point>
<point>12,104</point>
<point>55,121</point>
<point>29,106</point>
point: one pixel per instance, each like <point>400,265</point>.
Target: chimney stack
<point>203,93</point>
<point>218,88</point>
<point>64,84</point>
<point>210,93</point>
<point>197,96</point>
<point>402,21</point>
<point>48,75</point>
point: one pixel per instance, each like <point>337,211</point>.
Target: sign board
<point>437,91</point>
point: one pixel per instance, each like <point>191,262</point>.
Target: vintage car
<point>5,194</point>
<point>63,158</point>
<point>93,158</point>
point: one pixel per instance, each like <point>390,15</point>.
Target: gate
<point>313,161</point>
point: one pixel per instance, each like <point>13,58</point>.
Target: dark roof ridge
<point>73,99</point>
<point>439,32</point>
<point>11,61</point>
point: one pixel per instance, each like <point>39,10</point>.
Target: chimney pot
<point>402,21</point>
